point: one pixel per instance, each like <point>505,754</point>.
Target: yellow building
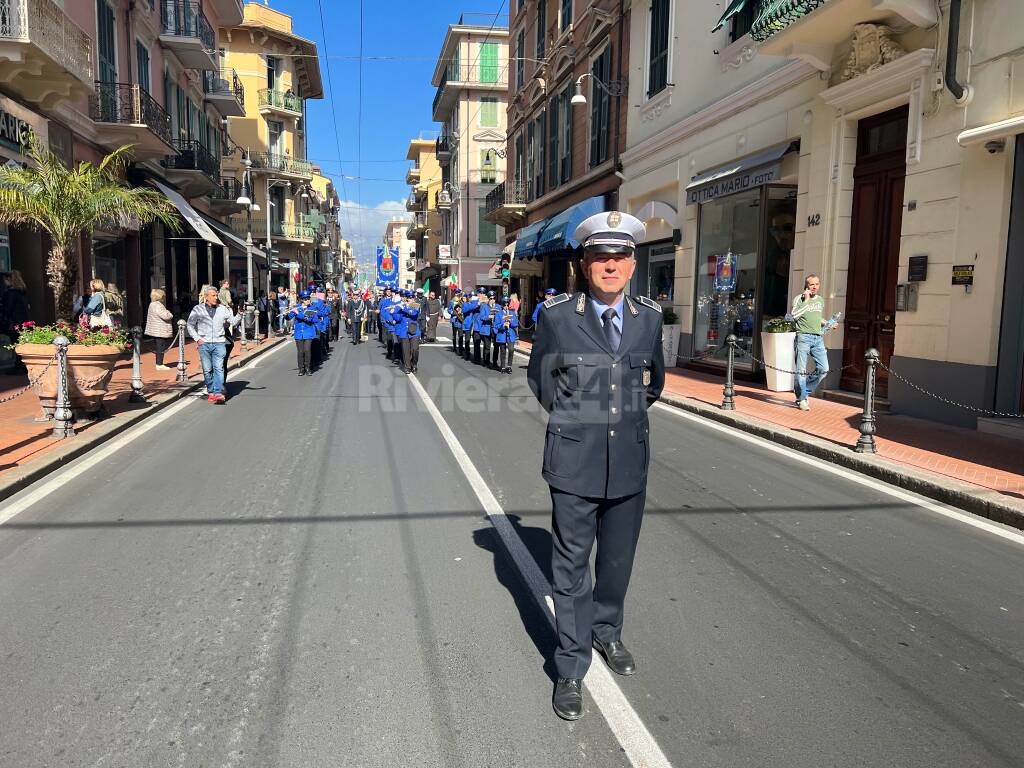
<point>279,71</point>
<point>425,179</point>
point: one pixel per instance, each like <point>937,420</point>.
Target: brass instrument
<point>457,308</point>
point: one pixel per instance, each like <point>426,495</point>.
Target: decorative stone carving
<point>872,47</point>
<point>739,58</point>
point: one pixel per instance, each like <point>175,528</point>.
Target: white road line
<point>935,507</point>
<point>932,506</point>
<point>636,741</point>
<point>35,494</point>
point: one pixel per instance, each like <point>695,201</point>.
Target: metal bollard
<point>256,326</point>
<point>137,396</point>
<point>242,329</point>
<point>866,441</point>
<point>728,394</point>
<point>182,365</point>
<point>62,416</point>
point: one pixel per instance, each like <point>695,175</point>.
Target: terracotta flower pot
<point>90,369</point>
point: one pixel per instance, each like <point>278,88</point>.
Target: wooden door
<point>874,247</point>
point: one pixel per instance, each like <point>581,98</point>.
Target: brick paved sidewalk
<point>23,439</point>
<point>988,461</point>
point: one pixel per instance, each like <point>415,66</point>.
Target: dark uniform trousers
<point>411,353</point>
<point>304,350</point>
<point>596,456</point>
<point>581,608</point>
<point>495,347</point>
<point>505,353</point>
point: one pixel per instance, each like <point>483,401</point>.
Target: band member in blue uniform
<point>304,332</point>
<point>506,333</point>
<point>536,310</point>
<point>469,310</point>
<point>596,367</point>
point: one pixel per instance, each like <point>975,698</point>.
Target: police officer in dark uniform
<point>596,368</point>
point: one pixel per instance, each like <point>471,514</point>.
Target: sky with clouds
<point>378,92</point>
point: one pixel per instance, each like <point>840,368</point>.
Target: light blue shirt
<point>600,308</point>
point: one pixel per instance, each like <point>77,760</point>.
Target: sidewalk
<point>23,440</point>
<point>931,456</point>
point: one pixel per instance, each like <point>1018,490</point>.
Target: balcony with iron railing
<point>44,55</point>
<point>185,30</point>
<point>224,196</point>
<point>461,76</point>
<point>129,115</point>
<point>272,162</point>
<point>225,91</point>
<point>420,223</point>
<point>279,230</point>
<point>443,147</point>
<point>505,205</point>
<point>194,169</point>
<point>816,30</point>
<point>281,102</point>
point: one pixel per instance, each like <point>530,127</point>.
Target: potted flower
<point>670,336</point>
<point>92,355</point>
<point>778,345</point>
<point>65,202</point>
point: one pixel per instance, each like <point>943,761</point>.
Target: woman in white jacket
<point>159,326</point>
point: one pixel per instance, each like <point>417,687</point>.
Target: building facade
<point>562,158</point>
<point>424,180</point>
<point>279,71</point>
<point>863,142</point>
<point>89,76</point>
<point>471,77</point>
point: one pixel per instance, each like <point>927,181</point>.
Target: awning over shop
<point>234,243</point>
<point>559,232</point>
<point>734,7</point>
<point>190,214</point>
<point>747,172</point>
<point>526,243</point>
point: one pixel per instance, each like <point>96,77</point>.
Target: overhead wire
<point>334,108</point>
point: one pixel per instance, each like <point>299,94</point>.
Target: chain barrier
<point>946,400</point>
<point>31,383</point>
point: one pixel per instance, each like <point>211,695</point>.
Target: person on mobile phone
<point>807,311</point>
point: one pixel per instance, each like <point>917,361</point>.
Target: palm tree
<point>64,202</point>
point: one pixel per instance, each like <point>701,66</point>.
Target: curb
<point>22,477</point>
<point>971,498</point>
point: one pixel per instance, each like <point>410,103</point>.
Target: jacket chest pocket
<point>581,373</point>
<point>640,369</point>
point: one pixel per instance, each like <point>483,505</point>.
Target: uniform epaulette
<point>649,303</point>
<point>556,300</point>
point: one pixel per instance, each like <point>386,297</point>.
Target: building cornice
<point>764,88</point>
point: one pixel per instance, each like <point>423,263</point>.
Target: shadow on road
<point>535,619</point>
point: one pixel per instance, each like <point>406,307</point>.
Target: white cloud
<point>364,227</point>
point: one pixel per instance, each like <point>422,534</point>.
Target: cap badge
<point>614,219</point>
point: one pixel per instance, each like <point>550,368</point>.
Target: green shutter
<point>488,112</point>
<point>488,62</point>
<point>735,7</point>
<point>486,231</point>
<point>105,42</point>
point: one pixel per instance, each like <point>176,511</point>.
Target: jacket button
<point>614,411</point>
<point>579,359</point>
<point>558,429</point>
<point>615,365</point>
<point>612,387</point>
<point>611,433</point>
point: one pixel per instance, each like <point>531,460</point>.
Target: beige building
<point>471,77</point>
<point>279,71</point>
<point>424,179</point>
<point>848,138</point>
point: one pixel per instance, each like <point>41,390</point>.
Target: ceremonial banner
<point>387,267</point>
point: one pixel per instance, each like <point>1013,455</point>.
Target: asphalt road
<point>305,577</point>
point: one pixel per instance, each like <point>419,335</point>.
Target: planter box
<point>670,343</point>
<point>90,369</point>
<point>779,349</point>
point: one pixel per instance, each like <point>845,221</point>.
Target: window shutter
<point>488,62</point>
<point>553,128</point>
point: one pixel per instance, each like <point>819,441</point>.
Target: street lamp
<point>246,200</point>
<point>612,88</point>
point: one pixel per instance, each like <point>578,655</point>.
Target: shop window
<point>661,272</point>
<point>743,251</point>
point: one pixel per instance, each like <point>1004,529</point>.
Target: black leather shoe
<point>619,660</point>
<point>568,698</point>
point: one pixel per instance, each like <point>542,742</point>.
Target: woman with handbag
<point>96,309</point>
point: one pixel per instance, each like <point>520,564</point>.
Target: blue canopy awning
<point>561,228</point>
<point>526,242</point>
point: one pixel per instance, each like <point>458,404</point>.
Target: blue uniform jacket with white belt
<point>502,334</point>
<point>598,437</point>
<point>305,323</point>
<point>409,322</point>
<point>469,310</point>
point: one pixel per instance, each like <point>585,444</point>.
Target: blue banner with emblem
<point>387,267</point>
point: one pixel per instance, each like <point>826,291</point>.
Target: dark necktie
<point>611,332</point>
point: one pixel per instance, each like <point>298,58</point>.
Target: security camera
<point>995,146</point>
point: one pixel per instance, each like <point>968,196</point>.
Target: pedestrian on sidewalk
<point>224,295</point>
<point>596,368</point>
<point>206,325</point>
<point>158,326</point>
<point>114,300</point>
<point>807,312</point>
<point>96,309</point>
